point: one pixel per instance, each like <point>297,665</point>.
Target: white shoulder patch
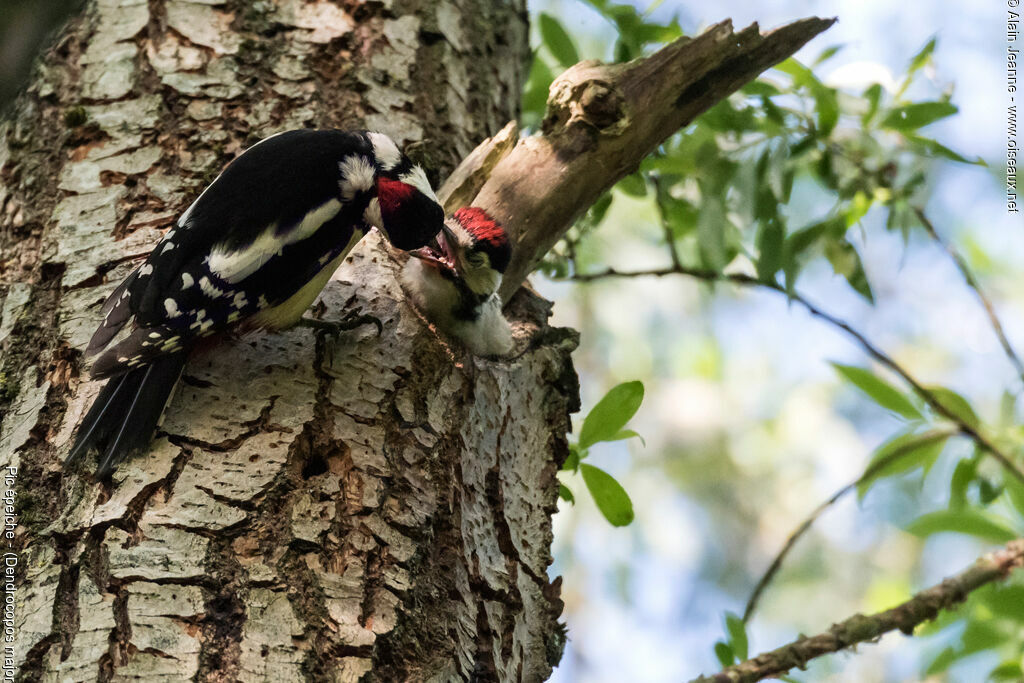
<point>418,179</point>
<point>385,150</point>
<point>357,175</point>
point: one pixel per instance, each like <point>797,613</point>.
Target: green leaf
<point>859,206</point>
<point>557,40</point>
<point>828,53</point>
<point>612,500</point>
<point>922,57</point>
<point>724,654</point>
<point>917,115</point>
<point>846,261</point>
<point>987,491</point>
<point>634,185</point>
<point>572,463</point>
<point>711,233</point>
<point>918,61</point>
<point>902,454</point>
<point>760,88</point>
<point>964,521</point>
<point>1005,600</point>
<point>1015,492</point>
<point>737,635</point>
<point>963,475</point>
<point>880,391</point>
<point>627,434</point>
<point>770,241</point>
<point>565,494</point>
<point>941,662</point>
<point>826,103</point>
<point>931,148</point>
<point>957,405</point>
<point>978,636</point>
<point>600,208</point>
<point>610,415</point>
<point>873,95</point>
<point>776,172</point>
<point>535,92</point>
<point>1007,671</point>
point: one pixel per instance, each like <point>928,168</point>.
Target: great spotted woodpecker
<point>253,251</point>
<point>456,285</point>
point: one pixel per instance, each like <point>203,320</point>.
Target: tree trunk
<point>317,509</point>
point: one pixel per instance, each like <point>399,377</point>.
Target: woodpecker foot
<point>351,321</point>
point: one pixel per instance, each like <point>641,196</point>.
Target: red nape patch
<point>479,223</point>
<point>392,194</point>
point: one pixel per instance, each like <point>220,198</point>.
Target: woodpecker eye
<point>475,258</point>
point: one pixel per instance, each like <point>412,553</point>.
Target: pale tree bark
<point>371,507</point>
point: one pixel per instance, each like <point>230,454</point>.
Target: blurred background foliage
<point>838,179</point>
<point>843,179</point>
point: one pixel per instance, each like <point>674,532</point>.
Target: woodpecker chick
<point>456,285</point>
<point>252,252</point>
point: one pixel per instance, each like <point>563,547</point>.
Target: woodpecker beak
<point>439,252</point>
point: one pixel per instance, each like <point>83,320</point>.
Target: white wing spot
<point>385,150</point>
<point>239,300</point>
<point>154,335</point>
<point>357,175</point>
<point>171,306</point>
<point>144,269</point>
<point>209,289</point>
<point>187,281</point>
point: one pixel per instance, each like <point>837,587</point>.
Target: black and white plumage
<point>456,286</point>
<point>253,251</point>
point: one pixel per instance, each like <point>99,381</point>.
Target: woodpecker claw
<point>352,320</point>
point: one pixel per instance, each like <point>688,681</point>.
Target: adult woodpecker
<point>253,251</point>
<point>456,286</point>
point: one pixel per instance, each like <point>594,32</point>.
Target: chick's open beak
<point>439,251</point>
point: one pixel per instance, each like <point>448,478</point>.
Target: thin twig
<point>972,282</point>
<point>670,240</point>
<point>929,397</point>
<point>873,469</point>
<point>923,607</point>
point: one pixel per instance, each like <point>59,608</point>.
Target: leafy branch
<point>888,460</point>
<point>905,617</point>
<point>606,421</point>
<point>942,406</point>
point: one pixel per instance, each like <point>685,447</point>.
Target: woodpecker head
<point>456,284</point>
<point>474,248</point>
<point>405,207</point>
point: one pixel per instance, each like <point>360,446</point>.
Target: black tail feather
<point>124,416</point>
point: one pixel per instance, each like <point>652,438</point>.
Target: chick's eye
<point>475,258</point>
